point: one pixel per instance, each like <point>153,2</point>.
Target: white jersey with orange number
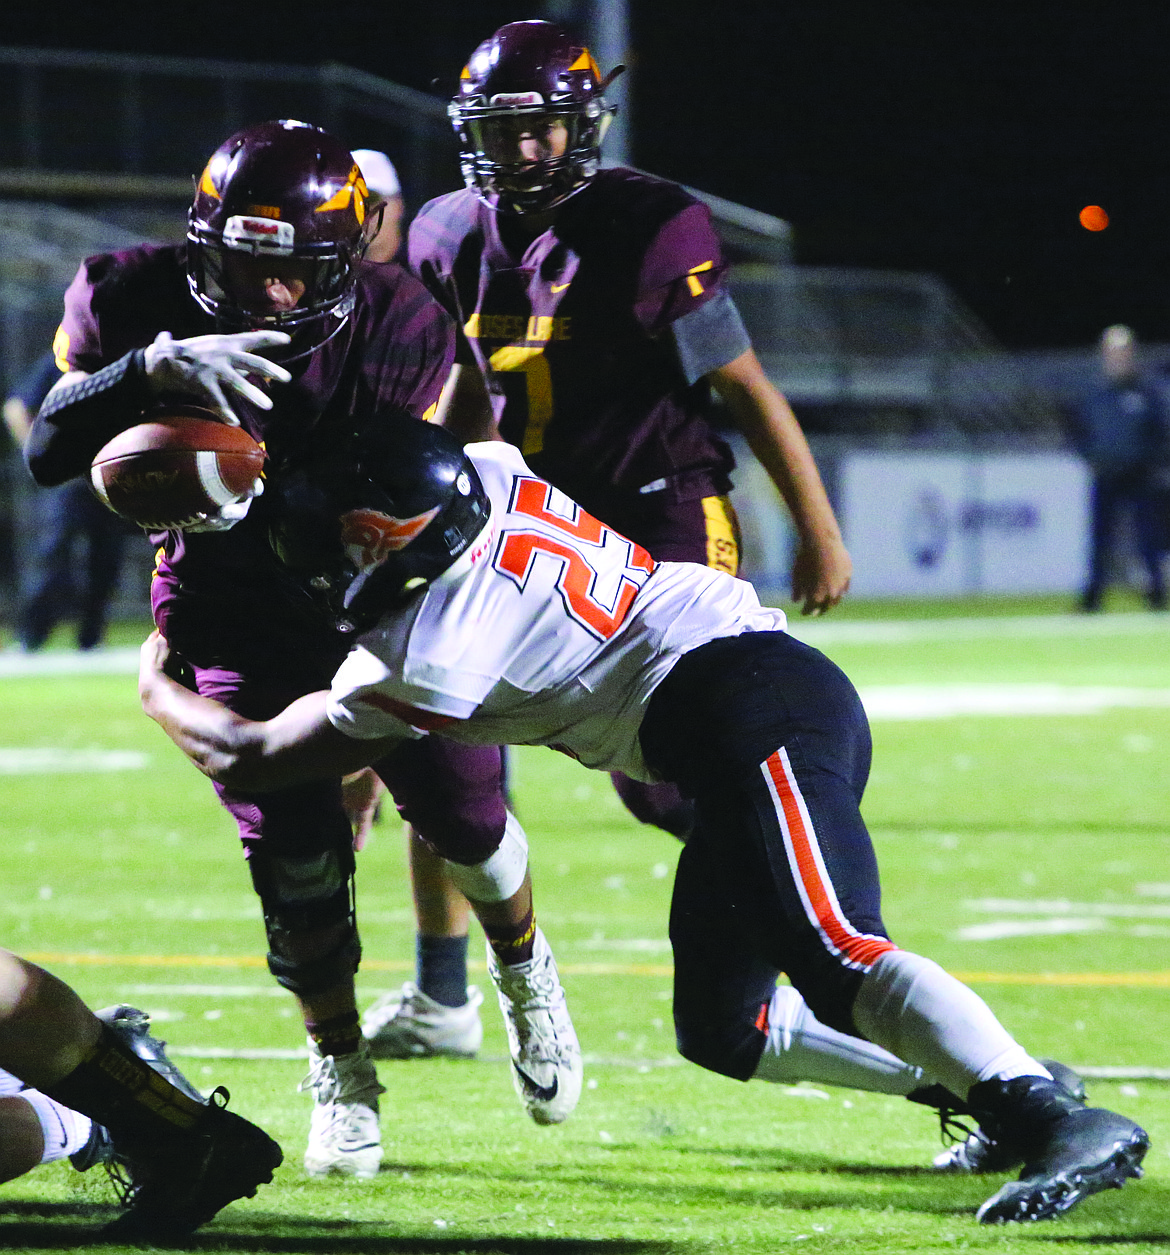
<point>557,634</point>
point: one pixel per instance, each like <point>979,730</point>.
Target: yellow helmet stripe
<point>206,186</point>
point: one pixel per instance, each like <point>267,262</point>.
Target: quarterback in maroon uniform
<point>271,287</point>
<point>594,324</point>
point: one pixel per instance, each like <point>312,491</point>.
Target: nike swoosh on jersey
<point>542,1093</point>
<point>560,287</point>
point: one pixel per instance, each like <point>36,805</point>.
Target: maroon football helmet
<point>529,80</point>
<point>289,193</point>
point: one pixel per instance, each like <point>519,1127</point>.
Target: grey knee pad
<point>301,894</point>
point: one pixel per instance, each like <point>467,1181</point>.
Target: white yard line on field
<point>15,665</point>
<point>1105,1072</point>
<point>908,631</point>
<point>43,761</point>
<point>948,701</point>
<point>124,661</point>
<point>892,702</point>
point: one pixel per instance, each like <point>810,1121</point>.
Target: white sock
<point>801,1048</point>
<point>64,1129</point>
<point>9,1084</point>
<point>924,1015</point>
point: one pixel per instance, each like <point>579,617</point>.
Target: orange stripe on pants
<point>859,950</point>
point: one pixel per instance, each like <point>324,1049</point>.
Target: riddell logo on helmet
<point>369,536</point>
<point>517,98</point>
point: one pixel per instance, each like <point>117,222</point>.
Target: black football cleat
<point>133,1026</point>
<point>979,1152</point>
<point>1070,1151</point>
<point>182,1184</point>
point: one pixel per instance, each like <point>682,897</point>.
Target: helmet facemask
<point>326,272</point>
<point>492,164</point>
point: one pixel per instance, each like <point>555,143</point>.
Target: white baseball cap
<point>378,171</point>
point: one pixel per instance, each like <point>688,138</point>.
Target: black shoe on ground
<point>181,1185</point>
<point>1070,1150</point>
<point>133,1026</point>
<point>979,1152</point>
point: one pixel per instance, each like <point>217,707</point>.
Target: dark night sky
<point>962,139</point>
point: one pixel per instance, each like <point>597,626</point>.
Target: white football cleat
<point>344,1137</point>
<point>546,1059</point>
<point>407,1024</point>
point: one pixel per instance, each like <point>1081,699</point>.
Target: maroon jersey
<point>571,331</point>
<point>395,350</point>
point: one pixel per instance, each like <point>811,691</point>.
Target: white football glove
<point>206,364</point>
<point>227,516</point>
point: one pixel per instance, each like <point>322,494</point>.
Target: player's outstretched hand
<point>156,660</point>
<point>206,365</point>
<point>821,574</point>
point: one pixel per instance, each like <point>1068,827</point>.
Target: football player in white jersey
<point>490,607</point>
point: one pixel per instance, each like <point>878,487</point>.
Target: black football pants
<point>770,739</point>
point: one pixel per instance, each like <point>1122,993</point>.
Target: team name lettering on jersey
<point>515,327</point>
<point>579,554</point>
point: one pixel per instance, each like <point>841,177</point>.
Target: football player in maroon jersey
<point>270,315</point>
<point>595,324</point>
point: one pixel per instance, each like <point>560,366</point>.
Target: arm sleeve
<point>67,433</point>
<point>709,337</point>
<point>367,702</point>
<point>78,342</point>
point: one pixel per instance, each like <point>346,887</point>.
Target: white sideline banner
<point>951,524</point>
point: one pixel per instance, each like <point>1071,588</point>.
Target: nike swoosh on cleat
<point>541,1093</point>
<point>560,287</point>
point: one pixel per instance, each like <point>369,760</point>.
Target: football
<point>177,465</point>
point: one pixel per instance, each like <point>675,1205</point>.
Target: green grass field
<point>1025,851</point>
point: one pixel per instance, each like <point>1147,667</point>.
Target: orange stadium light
<point>1094,218</point>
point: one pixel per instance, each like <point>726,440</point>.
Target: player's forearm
<point>245,756</point>
<point>219,742</point>
<point>465,408</point>
<point>768,424</point>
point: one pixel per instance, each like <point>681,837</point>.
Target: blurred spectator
<point>1121,430</point>
<point>385,196</point>
<point>61,584</point>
